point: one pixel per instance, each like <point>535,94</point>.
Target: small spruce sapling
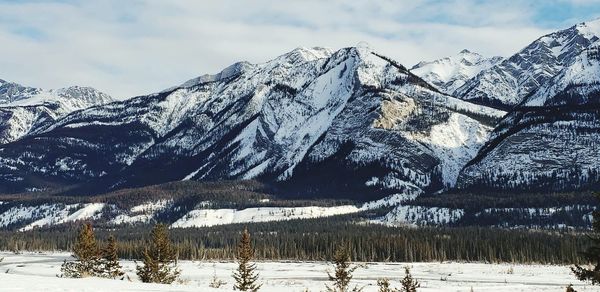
<point>343,271</point>
<point>409,284</point>
<point>384,285</point>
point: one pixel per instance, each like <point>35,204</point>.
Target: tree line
<point>314,239</point>
<point>160,256</point>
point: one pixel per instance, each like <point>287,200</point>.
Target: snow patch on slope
<point>142,213</point>
<point>211,217</point>
<point>70,213</point>
<point>49,214</point>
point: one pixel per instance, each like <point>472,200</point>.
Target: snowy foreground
<point>37,272</point>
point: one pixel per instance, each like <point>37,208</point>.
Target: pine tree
<point>408,283</point>
<point>592,255</point>
<point>343,271</point>
<point>246,277</point>
<point>86,253</point>
<point>159,258</point>
<point>110,260</point>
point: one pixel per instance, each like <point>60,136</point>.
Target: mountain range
<point>321,123</point>
<point>346,122</point>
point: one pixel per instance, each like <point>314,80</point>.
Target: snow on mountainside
<point>48,214</point>
<point>27,217</point>
<point>507,83</point>
<point>554,135</point>
<point>345,122</point>
<point>575,84</point>
<point>450,73</point>
<point>23,109</point>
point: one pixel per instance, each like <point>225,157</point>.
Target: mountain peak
<point>304,54</point>
<point>10,92</point>
<point>574,84</point>
<point>318,51</point>
<point>230,71</point>
<point>449,73</point>
<point>590,29</point>
<point>26,109</point>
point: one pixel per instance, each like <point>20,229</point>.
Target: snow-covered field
<point>37,272</point>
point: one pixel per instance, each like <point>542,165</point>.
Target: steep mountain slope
<point>507,83</point>
<point>23,109</point>
<point>578,83</point>
<point>314,122</point>
<point>551,141</point>
<point>450,73</point>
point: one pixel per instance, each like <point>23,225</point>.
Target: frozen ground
<point>37,272</point>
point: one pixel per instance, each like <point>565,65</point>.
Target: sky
<point>133,47</point>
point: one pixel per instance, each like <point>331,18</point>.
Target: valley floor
<point>37,272</point>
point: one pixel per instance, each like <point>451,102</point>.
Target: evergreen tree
<point>343,271</point>
<point>592,255</point>
<point>408,283</point>
<point>110,260</point>
<point>159,258</point>
<point>246,277</point>
<point>85,251</point>
<point>384,285</point>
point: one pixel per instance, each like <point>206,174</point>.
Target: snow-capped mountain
<point>10,92</point>
<point>554,136</point>
<point>509,82</point>
<point>23,109</point>
<point>313,121</point>
<point>450,73</point>
<point>576,84</point>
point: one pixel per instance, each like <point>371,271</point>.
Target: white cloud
<point>129,48</point>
